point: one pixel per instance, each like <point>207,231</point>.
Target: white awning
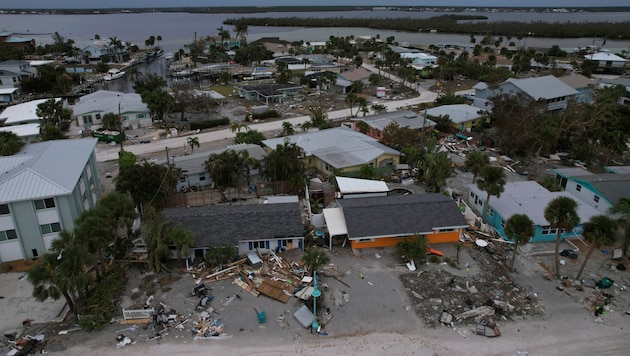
<point>356,185</point>
<point>335,221</point>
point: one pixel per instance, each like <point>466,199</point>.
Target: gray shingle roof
<point>404,118</point>
<point>44,169</point>
<point>400,215</point>
<point>612,186</point>
<point>458,113</point>
<point>226,225</point>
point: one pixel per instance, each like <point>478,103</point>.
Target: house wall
<point>433,238</point>
<point>199,179</point>
<point>27,228</point>
<point>245,247</point>
<point>586,195</point>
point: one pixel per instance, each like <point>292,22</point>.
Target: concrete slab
<point>18,304</point>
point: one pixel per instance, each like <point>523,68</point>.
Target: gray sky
<point>49,4</point>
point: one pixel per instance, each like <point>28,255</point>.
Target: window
<point>50,228</point>
<point>87,119</point>
<point>490,212</point>
<point>8,235</point>
<point>578,187</point>
<point>258,244</point>
<point>502,224</point>
<point>202,177</point>
<point>366,240</point>
<point>141,116</point>
<point>4,209</point>
<point>547,230</point>
<point>97,116</point>
<point>596,198</point>
<point>44,203</point>
<point>450,229</point>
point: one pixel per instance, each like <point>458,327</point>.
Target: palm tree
<point>521,229</point>
<point>623,208</point>
<point>314,258</point>
<point>287,128</point>
<point>305,61</point>
<point>562,215</point>
<point>117,45</point>
<point>96,230</point>
<point>159,39</point>
<point>475,161</point>
<point>492,181</point>
<point>192,142</point>
<point>237,126</point>
<point>600,230</point>
<point>183,239</point>
<point>224,35</point>
<point>241,32</point>
<point>351,100</point>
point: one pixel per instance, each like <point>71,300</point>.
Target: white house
<point>91,108</point>
<point>25,113</point>
<point>607,62</point>
<point>44,188</point>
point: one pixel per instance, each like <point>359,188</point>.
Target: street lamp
<point>316,293</point>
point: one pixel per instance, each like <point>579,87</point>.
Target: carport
<point>336,223</point>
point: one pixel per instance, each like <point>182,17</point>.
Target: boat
<point>114,74</point>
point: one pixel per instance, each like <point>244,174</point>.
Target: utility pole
<point>122,130</point>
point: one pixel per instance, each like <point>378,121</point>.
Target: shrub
<point>208,124</point>
<point>434,259</point>
<point>266,115</point>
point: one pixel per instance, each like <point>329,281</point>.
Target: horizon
<point>154,4</point>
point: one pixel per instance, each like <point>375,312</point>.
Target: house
<point>607,62</point>
<point>103,51</point>
<point>27,132</point>
<point>618,169</point>
<point>463,116</point>
<point>90,109</point>
<point>344,81</point>
<point>13,71</point>
<point>499,61</point>
<point>554,92</point>
<point>247,227</point>
<point>583,85</point>
<point>613,82</point>
<point>384,221</point>
<point>352,188</point>
<point>374,125</point>
<point>8,39</point>
<point>340,149</point>
<point>268,93</point>
<point>8,95</point>
<point>25,113</point>
<point>601,191</point>
<point>44,188</point>
<point>531,199</point>
<point>193,167</point>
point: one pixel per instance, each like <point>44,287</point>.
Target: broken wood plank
<point>135,321</point>
<point>237,263</point>
<point>246,287</point>
<point>342,282</point>
<point>221,272</point>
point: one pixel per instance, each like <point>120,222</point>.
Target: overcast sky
<point>49,4</point>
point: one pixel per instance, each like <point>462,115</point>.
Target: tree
<point>357,61</point>
<point>219,256</point>
<point>241,29</point>
<point>305,61</point>
<point>521,229</point>
<point>314,258</point>
<point>351,100</point>
<point>225,36</point>
<point>374,79</point>
<point>287,129</point>
<point>123,214</point>
<point>413,249</point>
<point>378,108</point>
<point>284,163</point>
<point>599,230</point>
<point>183,239</point>
<point>159,39</point>
<point>117,45</point>
<point>318,115</point>
<point>492,181</point>
<point>51,112</point>
<point>250,136</point>
<point>10,143</point>
<point>357,87</point>
<point>126,159</point>
<point>623,209</point>
<point>366,172</point>
<point>224,168</point>
<point>283,73</point>
<point>111,121</point>
<point>398,137</point>
<point>192,142</point>
<point>435,166</point>
<point>156,239</point>
<point>159,102</point>
<point>96,229</point>
<point>62,271</point>
<point>562,216</point>
<point>476,161</point>
<point>145,182</point>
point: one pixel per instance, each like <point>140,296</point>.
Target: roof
<point>613,187</point>
<point>618,169</point>
<point>578,81</point>
<point>25,112</point>
<point>404,118</point>
<point>44,169</point>
<point>531,199</point>
<point>7,90</point>
<point>356,74</point>
<point>195,163</point>
<point>356,185</point>
<point>270,89</point>
<point>604,56</point>
<point>339,147</point>
<point>24,130</point>
<point>401,215</point>
<point>226,225</point>
<point>572,172</point>
<point>401,50</point>
<point>335,222</point>
<point>458,113</point>
<point>546,87</point>
<point>104,101</point>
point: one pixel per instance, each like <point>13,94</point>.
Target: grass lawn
<point>225,90</point>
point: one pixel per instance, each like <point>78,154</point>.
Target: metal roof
<point>604,56</point>
<point>44,169</point>
<point>7,90</point>
<point>104,101</point>
<point>531,199</point>
<point>356,185</point>
<point>340,147</point>
<point>196,162</point>
<point>25,112</point>
<point>546,87</point>
<point>618,169</point>
<point>22,130</point>
<point>572,172</point>
<point>404,118</point>
<point>458,113</point>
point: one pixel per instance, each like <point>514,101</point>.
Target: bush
<point>434,259</point>
<point>208,124</point>
<point>266,115</point>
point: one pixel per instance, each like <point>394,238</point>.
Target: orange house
<point>385,221</point>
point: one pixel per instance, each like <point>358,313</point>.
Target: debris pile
<point>441,298</point>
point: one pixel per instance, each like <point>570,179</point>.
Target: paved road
<point>108,153</point>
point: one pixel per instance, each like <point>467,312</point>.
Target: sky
<point>52,4</point>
